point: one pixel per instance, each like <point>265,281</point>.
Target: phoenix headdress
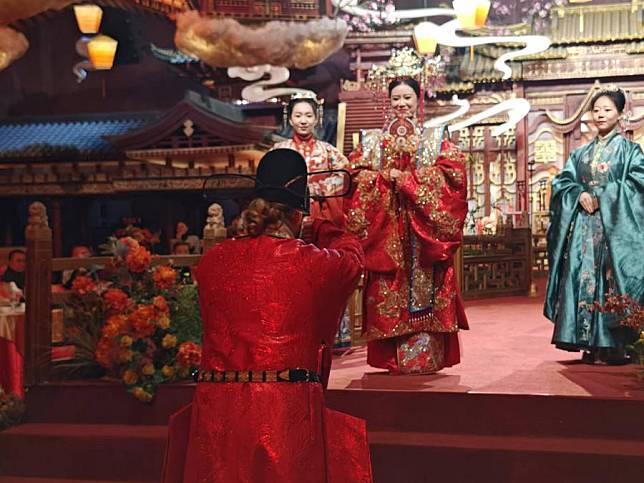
<point>406,63</point>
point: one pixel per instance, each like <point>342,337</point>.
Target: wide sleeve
<point>622,210</point>
<point>372,210</point>
<point>564,206</point>
<point>436,195</point>
<point>337,262</point>
<point>337,160</point>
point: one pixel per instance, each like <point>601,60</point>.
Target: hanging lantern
<point>88,18</point>
<point>425,34</point>
<point>482,9</point>
<point>102,50</point>
<point>471,13</point>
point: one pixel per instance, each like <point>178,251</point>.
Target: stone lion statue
<point>38,215</point>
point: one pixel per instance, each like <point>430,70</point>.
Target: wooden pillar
<point>170,220</point>
<point>488,158</point>
<point>522,154</point>
<point>57,227</point>
<point>37,355</point>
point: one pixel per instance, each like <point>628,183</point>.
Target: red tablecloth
<point>12,337</point>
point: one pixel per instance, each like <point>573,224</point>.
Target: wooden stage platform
<point>515,410</point>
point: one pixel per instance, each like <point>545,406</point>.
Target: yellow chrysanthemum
<point>141,394</point>
<point>163,322</point>
<point>169,341</point>
<point>148,369</point>
<point>167,371</point>
<point>126,341</point>
<point>126,355</point>
<point>130,377</point>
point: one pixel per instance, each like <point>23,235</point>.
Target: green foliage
<point>185,314</point>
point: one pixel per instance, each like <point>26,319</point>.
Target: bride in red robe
<point>258,412</point>
<point>408,210</point>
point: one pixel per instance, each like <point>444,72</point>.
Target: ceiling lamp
<point>471,13</point>
<point>102,50</point>
<point>88,18</point>
<point>425,38</point>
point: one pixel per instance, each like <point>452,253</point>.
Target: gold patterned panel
<point>508,138</point>
<point>545,151</point>
<point>478,173</point>
<point>495,170</point>
<point>464,140</point>
<point>510,169</point>
<point>478,137</point>
<point>422,283</point>
<point>546,101</point>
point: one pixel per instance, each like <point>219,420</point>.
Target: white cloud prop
<point>223,42</point>
<point>13,45</point>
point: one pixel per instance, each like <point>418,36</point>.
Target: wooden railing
<point>497,265</point>
<point>91,263</point>
<point>38,288</point>
<point>485,266</point>
<point>39,296</point>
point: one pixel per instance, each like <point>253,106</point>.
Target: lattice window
<point>492,175</point>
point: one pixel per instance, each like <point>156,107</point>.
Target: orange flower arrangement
<point>189,354</point>
<point>129,242</point>
<point>142,320</point>
<point>83,285</point>
<point>134,336</point>
<point>116,300</point>
<point>161,304</point>
<point>115,325</point>
<point>164,277</point>
<point>138,260</point>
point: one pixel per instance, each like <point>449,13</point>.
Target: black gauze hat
<point>282,177</point>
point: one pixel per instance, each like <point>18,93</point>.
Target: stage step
<point>101,402</point>
<point>430,457</point>
<point>96,430</point>
<point>493,414</point>
<point>90,451</point>
<point>26,479</point>
<point>96,402</point>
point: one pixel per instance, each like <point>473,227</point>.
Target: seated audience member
<point>78,251</point>
<point>182,248</point>
<point>236,228</point>
<point>16,266</point>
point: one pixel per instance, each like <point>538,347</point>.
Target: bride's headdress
<point>406,63</point>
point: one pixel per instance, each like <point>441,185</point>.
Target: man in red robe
<point>270,304</point>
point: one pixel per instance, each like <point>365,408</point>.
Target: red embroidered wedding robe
<point>410,229</point>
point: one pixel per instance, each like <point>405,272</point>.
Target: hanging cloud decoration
<point>12,10</point>
<point>227,43</point>
<point>13,45</point>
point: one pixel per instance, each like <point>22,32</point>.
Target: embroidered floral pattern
<point>421,353</point>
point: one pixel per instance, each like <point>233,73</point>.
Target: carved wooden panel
<point>496,265</point>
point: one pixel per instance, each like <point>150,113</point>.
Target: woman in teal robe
<point>596,238</point>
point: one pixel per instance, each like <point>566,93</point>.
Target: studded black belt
<point>284,375</point>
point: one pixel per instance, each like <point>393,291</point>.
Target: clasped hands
<point>588,202</point>
<point>395,176</point>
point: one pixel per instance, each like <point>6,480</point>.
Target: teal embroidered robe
<point>590,255</point>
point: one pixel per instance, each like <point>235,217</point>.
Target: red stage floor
<point>516,410</point>
<point>507,351</point>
